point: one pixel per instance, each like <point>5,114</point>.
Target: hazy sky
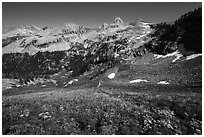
<point>90,14</point>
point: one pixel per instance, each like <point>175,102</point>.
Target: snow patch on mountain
<point>156,56</point>
<point>66,28</point>
<point>139,37</point>
<point>70,82</point>
<point>163,82</point>
<point>111,76</point>
<point>19,31</point>
<point>193,56</point>
<point>138,80</point>
<point>74,80</point>
<point>178,56</point>
<point>13,47</point>
<point>56,47</point>
<point>176,53</point>
<point>145,25</point>
<point>30,49</point>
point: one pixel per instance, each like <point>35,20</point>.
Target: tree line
<point>186,30</point>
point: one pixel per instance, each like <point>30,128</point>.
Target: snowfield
<point>138,80</point>
<point>163,82</point>
<point>111,76</point>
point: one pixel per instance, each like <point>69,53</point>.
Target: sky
<point>89,14</point>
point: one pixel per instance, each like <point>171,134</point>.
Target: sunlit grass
<point>90,111</point>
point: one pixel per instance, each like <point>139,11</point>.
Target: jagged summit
<point>118,20</point>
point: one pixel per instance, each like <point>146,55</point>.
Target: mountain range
<point>109,43</point>
<point>32,39</point>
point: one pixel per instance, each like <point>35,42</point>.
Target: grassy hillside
<point>106,110</point>
<point>116,107</point>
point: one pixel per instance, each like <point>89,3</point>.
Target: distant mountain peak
<point>118,20</point>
